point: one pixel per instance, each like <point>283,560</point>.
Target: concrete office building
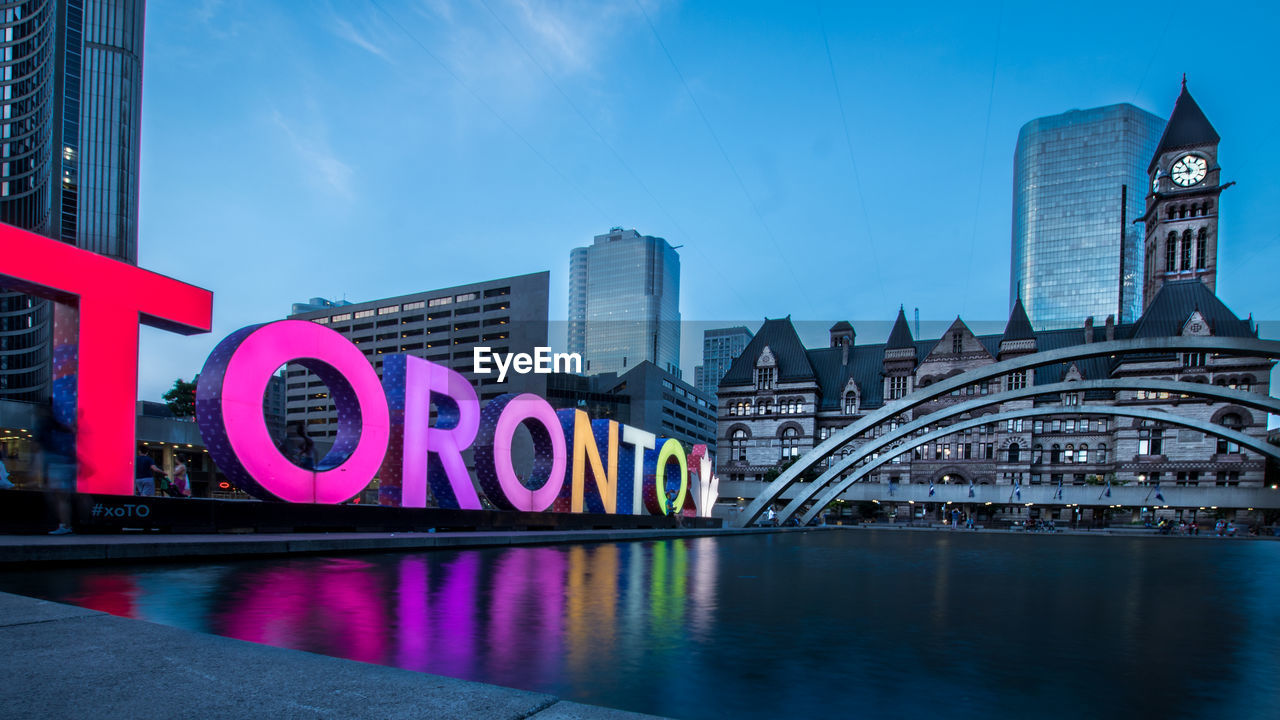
<point>1079,182</point>
<point>720,347</point>
<point>71,101</point>
<point>444,326</point>
<point>624,303</point>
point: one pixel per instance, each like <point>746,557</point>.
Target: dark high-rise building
<point>720,347</point>
<point>70,112</point>
<point>1079,182</point>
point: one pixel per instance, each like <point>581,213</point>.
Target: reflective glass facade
<point>624,303</point>
<point>720,347</point>
<point>70,106</point>
<point>1080,180</point>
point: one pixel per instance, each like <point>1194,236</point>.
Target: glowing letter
<point>640,441</point>
<point>498,480</point>
<point>229,411</point>
<point>113,297</point>
<point>420,454</point>
<point>655,494</point>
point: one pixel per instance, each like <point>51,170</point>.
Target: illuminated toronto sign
<point>384,427</point>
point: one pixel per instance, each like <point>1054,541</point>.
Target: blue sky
<point>370,148</point>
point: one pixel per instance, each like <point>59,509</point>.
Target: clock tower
<point>1182,206</point>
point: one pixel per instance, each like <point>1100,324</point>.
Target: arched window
<point>1231,421</point>
<point>738,445</point>
<point>1208,206</point>
<point>1172,211</point>
<point>1201,247</point>
<point>850,403</point>
<point>1015,452</point>
<point>790,443</point>
<point>1186,250</point>
<point>1037,454</point>
<point>1182,211</point>
<point>1171,252</point>
<point>1083,455</point>
<point>1102,453</point>
<point>1055,453</point>
<point>1070,455</point>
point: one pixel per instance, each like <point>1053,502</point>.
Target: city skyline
<point>534,139</point>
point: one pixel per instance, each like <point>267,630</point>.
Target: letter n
<point>586,437</point>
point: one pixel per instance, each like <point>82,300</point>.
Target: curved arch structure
<point>1250,347</point>
<point>834,491</point>
<point>1265,403</point>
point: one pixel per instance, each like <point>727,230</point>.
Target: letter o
<point>497,476</point>
<point>229,412</point>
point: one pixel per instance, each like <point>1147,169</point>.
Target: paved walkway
<point>24,549</point>
<point>66,661</point>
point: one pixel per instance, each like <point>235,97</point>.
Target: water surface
<point>875,624</point>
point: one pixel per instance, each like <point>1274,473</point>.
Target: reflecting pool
<point>827,623</point>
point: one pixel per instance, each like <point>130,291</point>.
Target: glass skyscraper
<point>70,122</point>
<point>624,303</point>
<point>720,347</point>
<point>1079,182</point>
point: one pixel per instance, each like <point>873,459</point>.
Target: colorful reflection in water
<point>875,624</point>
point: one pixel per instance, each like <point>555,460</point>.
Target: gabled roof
<point>781,339</point>
<point>842,325</point>
<point>1187,127</point>
<point>1019,325</point>
<point>900,336</point>
<point>1175,302</point>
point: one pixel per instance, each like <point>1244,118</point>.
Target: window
<point>1186,250</point>
<point>897,387</point>
<point>414,305</point>
<point>765,378</point>
<point>1070,399</point>
<point>1083,455</point>
<point>1069,425</point>
<point>1037,426</point>
<point>1193,359</point>
<point>738,445</point>
<point>1171,252</point>
<point>1150,441</point>
<point>1015,452</point>
<point>1231,421</point>
<point>1069,455</point>
<point>1101,454</point>
<point>388,309</point>
<point>1018,380</point>
<point>1055,454</point>
<point>342,317</point>
<point>437,302</point>
<point>966,451</point>
<point>956,343</point>
<point>1037,454</point>
<point>790,443</point>
<point>1201,248</point>
<point>466,297</point>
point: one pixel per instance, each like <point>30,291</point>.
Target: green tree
<point>181,398</point>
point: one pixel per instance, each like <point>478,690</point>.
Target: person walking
<point>180,481</point>
<point>955,518</point>
<point>144,478</point>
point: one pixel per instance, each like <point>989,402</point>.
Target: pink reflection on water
<point>333,608</point>
<point>526,616</point>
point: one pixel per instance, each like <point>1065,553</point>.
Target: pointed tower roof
<point>1187,128</point>
<point>900,336</point>
<point>1019,325</point>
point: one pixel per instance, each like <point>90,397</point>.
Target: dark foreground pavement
<point>66,661</point>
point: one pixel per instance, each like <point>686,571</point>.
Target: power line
<point>781,256</point>
<point>490,108</point>
<point>617,156</point>
<point>853,163</point>
<point>982,171</point>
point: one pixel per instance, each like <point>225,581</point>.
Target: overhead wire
<point>782,257</point>
<point>982,168</point>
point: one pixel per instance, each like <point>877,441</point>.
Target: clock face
<point>1189,170</point>
<point>1155,183</point>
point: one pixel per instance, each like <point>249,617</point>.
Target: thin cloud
<point>316,154</point>
<point>345,30</point>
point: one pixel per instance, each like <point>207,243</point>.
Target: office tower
<point>624,303</point>
<point>720,347</point>
<point>444,326</point>
<point>1079,182</point>
<point>1182,207</point>
<point>70,117</point>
